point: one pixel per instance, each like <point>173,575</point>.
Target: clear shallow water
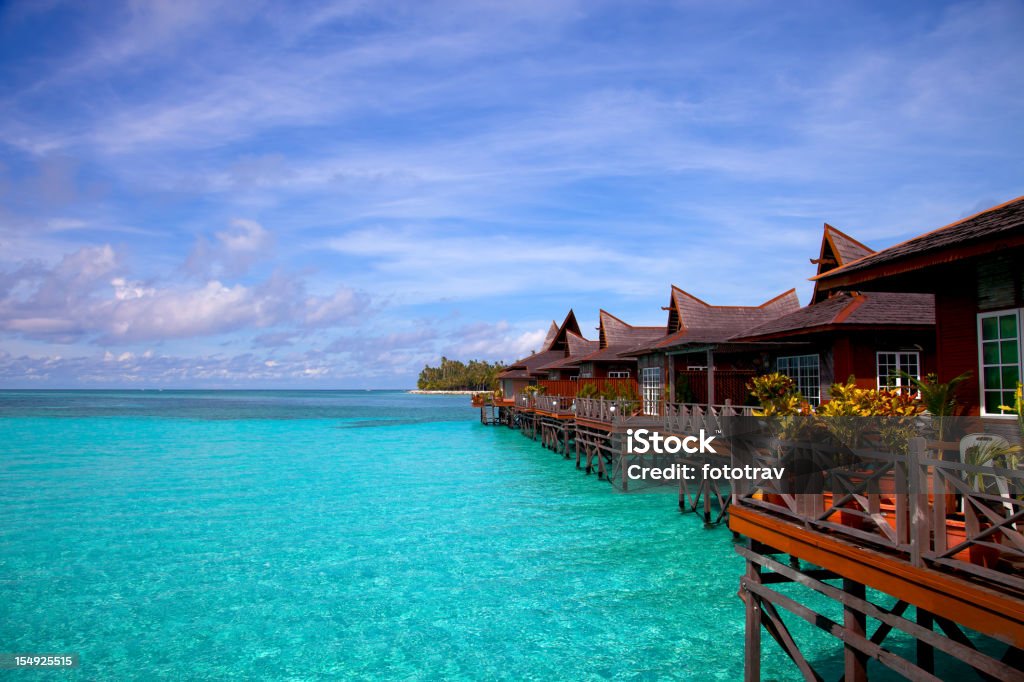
<point>342,535</point>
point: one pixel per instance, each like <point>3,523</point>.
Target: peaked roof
<point>837,249</point>
<point>555,348</point>
<point>552,333</point>
<point>697,321</point>
<point>526,367</point>
<point>874,309</point>
<point>841,247</point>
<point>616,336</point>
<point>558,340</point>
<point>577,348</point>
<point>993,229</point>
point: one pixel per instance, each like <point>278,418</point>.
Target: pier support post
<point>855,623</point>
<point>925,651</point>
<point>752,628</point>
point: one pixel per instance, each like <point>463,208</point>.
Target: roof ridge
<point>857,299</point>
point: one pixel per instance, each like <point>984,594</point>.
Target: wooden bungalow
<point>975,270</point>
<point>566,368</point>
<point>941,564</point>
<point>531,369</point>
<point>876,337</point>
<point>694,356</point>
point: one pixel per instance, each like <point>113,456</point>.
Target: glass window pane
<point>1010,377</point>
<point>989,328</point>
<point>1008,326</point>
<point>992,377</point>
<point>1010,352</point>
<point>992,402</point>
<point>991,354</point>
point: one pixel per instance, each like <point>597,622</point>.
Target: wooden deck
<point>899,545</point>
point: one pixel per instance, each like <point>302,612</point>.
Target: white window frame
<point>1019,314</point>
<point>900,367</point>
<point>814,399</point>
<point>619,374</point>
<point>651,388</point>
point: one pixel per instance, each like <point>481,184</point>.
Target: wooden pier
<point>952,591</point>
<point>952,561</point>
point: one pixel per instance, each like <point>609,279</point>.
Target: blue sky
<point>330,195</point>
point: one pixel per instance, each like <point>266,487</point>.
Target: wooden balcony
<point>942,537</point>
<point>554,406</point>
<point>958,518</point>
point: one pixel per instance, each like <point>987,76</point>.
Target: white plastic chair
<point>982,440</point>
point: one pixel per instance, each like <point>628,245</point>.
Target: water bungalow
<point>941,563</point>
<point>695,358</point>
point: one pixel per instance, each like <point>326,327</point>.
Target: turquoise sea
<point>343,535</point>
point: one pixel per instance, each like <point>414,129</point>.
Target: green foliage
<point>454,375</point>
<point>938,398</point>
<point>684,392</point>
<point>588,391</point>
<point>1018,407</point>
<point>994,453</point>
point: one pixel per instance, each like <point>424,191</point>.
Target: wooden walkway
<point>848,548</point>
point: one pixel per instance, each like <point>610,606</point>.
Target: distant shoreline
<point>417,391</point>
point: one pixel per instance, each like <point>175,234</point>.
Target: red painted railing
<point>571,388</point>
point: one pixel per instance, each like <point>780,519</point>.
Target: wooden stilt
<point>752,628</point>
<point>855,622</point>
<point>925,651</point>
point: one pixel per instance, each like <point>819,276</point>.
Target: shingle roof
<point>616,336</point>
<point>855,309</point>
<point>578,347</point>
<point>944,244</point>
<point>845,248</point>
<point>700,322</point>
<point>531,364</point>
<point>557,341</point>
<point>552,333</point>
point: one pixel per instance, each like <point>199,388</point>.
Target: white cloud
<point>83,297</point>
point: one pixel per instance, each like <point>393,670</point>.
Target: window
<point>586,375</point>
<point>803,369</point>
<point>650,386</point>
<point>892,364</point>
<point>619,375</point>
<point>999,341</point>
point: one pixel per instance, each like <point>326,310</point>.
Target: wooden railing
<point>554,404</point>
<point>524,400</point>
<point>955,515</point>
<point>606,411</point>
<point>688,418</point>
